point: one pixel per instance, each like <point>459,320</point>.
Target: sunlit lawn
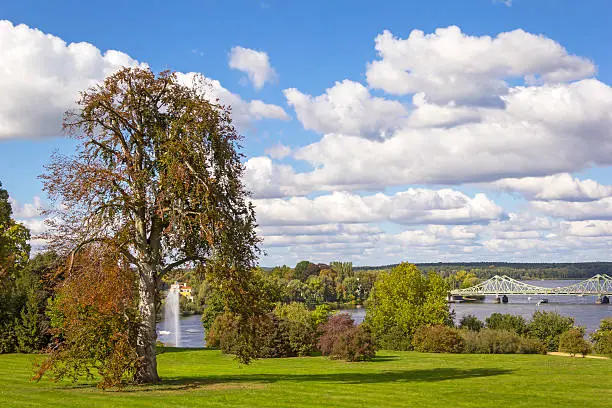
<point>394,379</point>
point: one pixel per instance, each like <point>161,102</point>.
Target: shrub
<point>298,323</point>
<point>263,336</point>
<point>491,341</point>
<point>602,338</point>
<point>354,344</point>
<point>221,331</point>
<point>336,326</point>
<point>471,322</point>
<point>573,342</point>
<point>548,327</point>
<point>395,338</point>
<point>529,345</point>
<point>508,322</point>
<point>437,339</point>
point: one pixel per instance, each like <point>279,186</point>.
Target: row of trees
<point>24,288</point>
<point>485,270</point>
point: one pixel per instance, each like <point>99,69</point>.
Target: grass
<point>394,379</point>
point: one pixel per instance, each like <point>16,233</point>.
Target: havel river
<point>583,309</point>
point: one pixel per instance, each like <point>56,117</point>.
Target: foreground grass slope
<point>394,379</point>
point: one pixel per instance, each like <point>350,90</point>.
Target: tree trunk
<point>147,334</point>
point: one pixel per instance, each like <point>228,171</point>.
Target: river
<point>583,309</point>
<point>192,332</point>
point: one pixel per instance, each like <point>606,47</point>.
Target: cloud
<point>592,228</point>
<point>42,76</point>
<point>27,210</point>
<point>572,120</point>
<point>591,210</point>
<point>256,64</point>
<point>264,179</point>
<point>561,187</point>
<point>414,206</point>
<point>278,151</point>
<point>448,65</point>
<point>347,108</point>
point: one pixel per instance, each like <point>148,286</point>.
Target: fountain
<point>172,315</point>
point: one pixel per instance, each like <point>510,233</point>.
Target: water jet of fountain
<point>172,314</point>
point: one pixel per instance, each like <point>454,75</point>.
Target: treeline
<point>524,271</point>
<point>335,284</point>
<point>24,287</point>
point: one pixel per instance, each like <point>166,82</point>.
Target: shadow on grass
<point>230,381</point>
<point>382,359</point>
<point>164,350</point>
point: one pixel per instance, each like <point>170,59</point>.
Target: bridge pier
<point>501,299</point>
<point>604,300</point>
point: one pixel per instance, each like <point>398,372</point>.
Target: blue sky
<point>485,136</point>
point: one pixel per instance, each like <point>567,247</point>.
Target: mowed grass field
<point>207,378</point>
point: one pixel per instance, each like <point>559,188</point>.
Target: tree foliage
<point>14,247</point>
<point>157,178</point>
<point>21,329</point>
<point>602,338</point>
<point>506,321</point>
<point>471,322</point>
<point>572,341</point>
<point>94,320</point>
<point>403,300</point>
<point>548,327</point>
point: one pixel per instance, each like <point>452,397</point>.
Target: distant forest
<point>485,270</point>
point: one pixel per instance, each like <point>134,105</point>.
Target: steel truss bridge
<point>598,285</point>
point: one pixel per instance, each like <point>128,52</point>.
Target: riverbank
<point>394,379</point>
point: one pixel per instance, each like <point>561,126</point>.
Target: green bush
<point>8,341</point>
<point>548,327</point>
<point>529,345</point>
<point>471,322</point>
<point>437,339</point>
<point>354,344</point>
<point>265,336</point>
<point>299,325</point>
<point>491,341</point>
<point>508,322</point>
<point>573,342</point>
<point>602,338</point>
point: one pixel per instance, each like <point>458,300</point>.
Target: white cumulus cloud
<point>451,65</point>
<point>413,206</point>
<point>562,187</point>
<point>347,108</point>
<point>256,64</point>
<point>42,76</point>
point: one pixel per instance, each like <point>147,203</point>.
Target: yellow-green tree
<point>403,300</point>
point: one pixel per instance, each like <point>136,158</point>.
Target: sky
<point>375,132</point>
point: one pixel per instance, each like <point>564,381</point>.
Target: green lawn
<point>394,379</point>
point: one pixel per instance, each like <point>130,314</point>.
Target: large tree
<point>401,301</point>
<point>157,177</point>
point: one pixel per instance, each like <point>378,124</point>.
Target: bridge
<point>598,285</point>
